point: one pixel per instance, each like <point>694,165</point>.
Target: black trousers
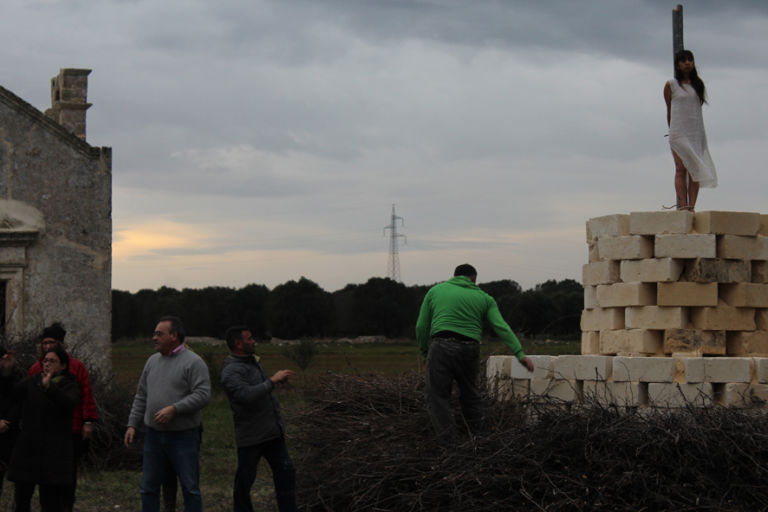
<point>283,475</point>
<point>449,361</point>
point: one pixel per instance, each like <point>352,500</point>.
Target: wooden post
<point>677,30</point>
<point>677,45</point>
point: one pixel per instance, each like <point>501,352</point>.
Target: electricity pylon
<point>393,266</point>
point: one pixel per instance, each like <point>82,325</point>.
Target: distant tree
<point>296,309</point>
<point>251,304</point>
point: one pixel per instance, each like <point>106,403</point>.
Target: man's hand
<point>4,426</point>
<point>526,361</point>
<point>165,414</point>
<point>129,433</point>
<point>280,376</point>
<point>87,431</point>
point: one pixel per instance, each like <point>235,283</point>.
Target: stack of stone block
<point>676,283</point>
<point>675,313</point>
<point>634,381</point>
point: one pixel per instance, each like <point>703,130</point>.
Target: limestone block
<point>717,270</point>
<point>749,295</point>
<point>764,225</point>
<point>694,342</point>
<point>731,223</point>
<point>626,294</point>
<point>747,343</point>
<point>590,342</point>
<point>608,225</point>
<point>600,272</point>
<point>687,294</point>
<point>761,367</point>
<point>663,394</point>
<point>596,391</point>
<point>656,317</point>
<point>643,369</point>
<point>738,394</point>
<point>759,272</point>
<point>566,390</point>
<point>742,247</point>
<point>632,247</point>
<point>652,223</point>
<point>761,319</point>
<point>685,246</point>
<point>614,393</point>
<point>694,368</point>
<point>628,393</point>
<point>583,367</point>
<point>497,367</point>
<point>727,369</point>
<point>650,270</point>
<point>593,254</point>
<point>610,318</point>
<point>723,317</point>
<point>542,368</point>
<point>630,341</point>
<point>520,388</point>
<point>590,297</point>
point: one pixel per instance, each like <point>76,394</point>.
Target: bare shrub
<point>367,445</point>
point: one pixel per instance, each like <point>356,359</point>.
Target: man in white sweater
<point>173,389</point>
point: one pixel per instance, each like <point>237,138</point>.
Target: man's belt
<point>453,336</point>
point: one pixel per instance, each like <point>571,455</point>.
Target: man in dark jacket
<point>259,428</point>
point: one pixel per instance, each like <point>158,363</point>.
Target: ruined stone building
<point>55,220</point>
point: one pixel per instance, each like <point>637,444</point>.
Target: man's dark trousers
<point>450,360</point>
<point>283,474</point>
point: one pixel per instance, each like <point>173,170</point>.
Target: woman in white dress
<point>684,95</point>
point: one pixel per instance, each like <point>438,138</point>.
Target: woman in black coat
<point>43,452</point>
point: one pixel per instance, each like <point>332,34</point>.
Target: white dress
<point>687,137</point>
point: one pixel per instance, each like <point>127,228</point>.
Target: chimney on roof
<point>69,90</point>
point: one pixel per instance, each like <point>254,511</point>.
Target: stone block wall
<point>676,283</point>
<point>675,313</point>
<point>635,381</point>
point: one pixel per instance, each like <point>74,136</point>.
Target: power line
<point>393,265</point>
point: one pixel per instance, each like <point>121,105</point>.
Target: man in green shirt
<point>448,333</point>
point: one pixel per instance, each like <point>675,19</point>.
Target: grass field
<point>119,490</point>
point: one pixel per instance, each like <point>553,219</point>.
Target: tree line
<point>298,309</point>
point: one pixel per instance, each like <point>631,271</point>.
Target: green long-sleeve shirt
<point>459,305</point>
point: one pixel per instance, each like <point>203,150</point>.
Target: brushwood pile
<point>365,443</point>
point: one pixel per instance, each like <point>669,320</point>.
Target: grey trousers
<point>449,361</point>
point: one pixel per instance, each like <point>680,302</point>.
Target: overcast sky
<point>260,141</point>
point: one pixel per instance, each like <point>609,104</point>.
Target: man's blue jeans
<point>180,449</point>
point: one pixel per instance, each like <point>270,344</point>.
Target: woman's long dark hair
<point>696,83</point>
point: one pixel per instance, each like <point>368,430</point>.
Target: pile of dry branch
<point>367,445</point>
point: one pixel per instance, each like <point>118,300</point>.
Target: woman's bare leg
<point>693,193</point>
<point>681,190</point>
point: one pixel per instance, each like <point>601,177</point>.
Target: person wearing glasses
<point>43,454</point>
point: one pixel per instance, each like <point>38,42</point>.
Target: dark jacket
<point>43,451</point>
<point>255,410</point>
<point>10,409</point>
<point>86,410</point>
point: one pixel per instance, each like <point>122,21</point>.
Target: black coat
<point>9,411</point>
<point>43,451</point>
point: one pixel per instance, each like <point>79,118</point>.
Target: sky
<point>261,141</point>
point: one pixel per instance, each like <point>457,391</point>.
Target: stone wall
<point>666,283</point>
<point>55,223</point>
<point>675,312</point>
